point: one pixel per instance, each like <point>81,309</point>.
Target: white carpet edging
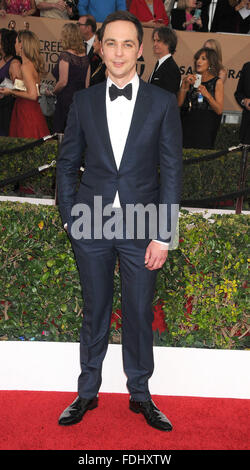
<point>53,366</point>
<point>51,202</point>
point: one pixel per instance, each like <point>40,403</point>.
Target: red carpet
<point>29,422</point>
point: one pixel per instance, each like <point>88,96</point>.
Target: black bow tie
<point>114,92</point>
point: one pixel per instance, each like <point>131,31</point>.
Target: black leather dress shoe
<point>152,414</point>
<point>74,413</point>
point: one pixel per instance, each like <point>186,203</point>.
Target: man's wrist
<point>165,245</point>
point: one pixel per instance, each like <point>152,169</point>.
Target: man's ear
<point>140,51</point>
<point>101,48</point>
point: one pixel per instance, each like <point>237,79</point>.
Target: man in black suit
<point>87,25</point>
<point>128,130</point>
<point>242,96</point>
<point>166,73</point>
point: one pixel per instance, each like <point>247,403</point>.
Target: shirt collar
<point>162,59</point>
<point>90,41</point>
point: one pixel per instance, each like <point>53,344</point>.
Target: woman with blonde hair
<point>215,45</point>
<point>72,73</point>
<point>27,119</point>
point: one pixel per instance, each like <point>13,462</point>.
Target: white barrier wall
<point>48,366</point>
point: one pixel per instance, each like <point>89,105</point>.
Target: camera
<point>73,4</point>
<point>197,81</point>
<point>197,13</point>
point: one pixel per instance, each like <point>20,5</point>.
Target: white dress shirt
<point>119,116</point>
<point>162,59</point>
<point>89,44</point>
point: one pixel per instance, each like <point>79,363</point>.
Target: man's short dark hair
<point>168,36</point>
<point>123,16</point>
<point>91,21</point>
<point>8,40</point>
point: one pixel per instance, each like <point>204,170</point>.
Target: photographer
<point>59,9</point>
<point>227,17</point>
<point>187,16</point>
<point>72,9</point>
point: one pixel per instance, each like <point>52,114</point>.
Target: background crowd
<point>80,65</point>
<point>190,15</point>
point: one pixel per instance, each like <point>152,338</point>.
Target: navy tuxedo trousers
<point>96,261</point>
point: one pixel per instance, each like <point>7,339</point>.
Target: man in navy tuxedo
<point>128,130</point>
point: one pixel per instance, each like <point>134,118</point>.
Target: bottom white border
<point>48,366</point>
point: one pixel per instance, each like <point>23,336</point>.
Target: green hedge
<point>200,299</point>
<point>217,177</point>
<point>202,180</point>
<point>21,163</point>
<point>211,178</point>
<point>228,135</point>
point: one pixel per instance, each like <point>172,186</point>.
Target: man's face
<point>159,47</point>
<point>84,29</point>
<point>120,47</point>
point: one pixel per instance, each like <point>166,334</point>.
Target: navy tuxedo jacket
<point>154,141</point>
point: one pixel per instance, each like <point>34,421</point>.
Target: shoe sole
<point>89,408</point>
<point>134,410</point>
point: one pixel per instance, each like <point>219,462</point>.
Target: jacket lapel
<point>163,65</point>
<point>100,116</point>
<point>141,110</point>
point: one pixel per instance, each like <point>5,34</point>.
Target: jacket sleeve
<point>121,5</point>
<point>69,162</point>
<point>241,91</point>
<point>170,149</point>
<point>177,19</point>
<point>133,8</point>
<point>83,7</point>
<point>163,13</point>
